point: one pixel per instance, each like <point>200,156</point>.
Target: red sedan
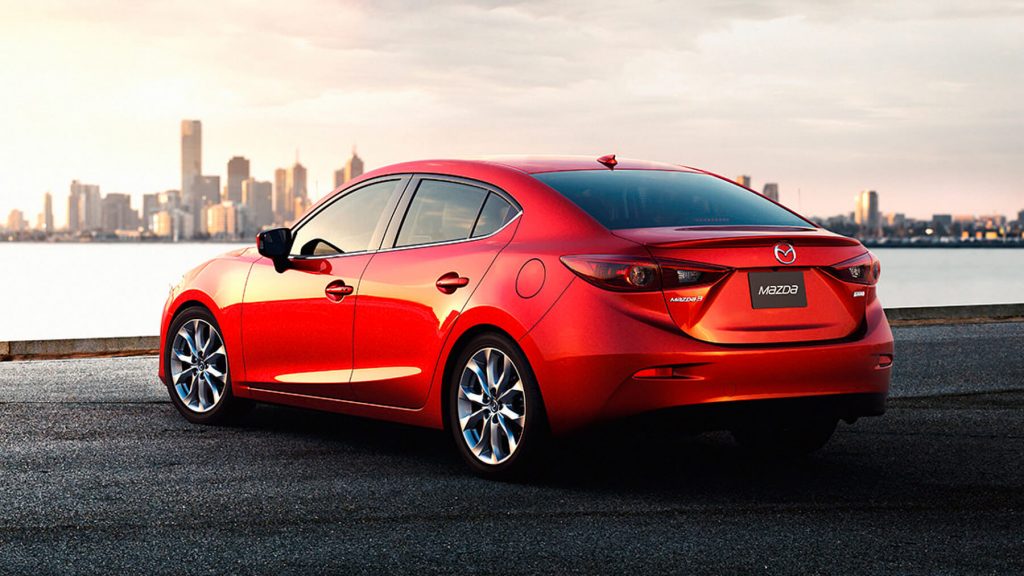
<point>510,299</point>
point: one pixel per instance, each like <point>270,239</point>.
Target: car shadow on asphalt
<point>619,458</point>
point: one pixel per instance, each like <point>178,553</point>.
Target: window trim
<point>391,236</point>
<point>383,222</point>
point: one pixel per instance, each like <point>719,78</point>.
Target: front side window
<point>440,212</point>
<point>347,224</point>
<point>620,199</point>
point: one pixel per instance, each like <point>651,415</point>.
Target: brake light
<point>864,269</point>
<point>612,273</point>
<point>640,274</point>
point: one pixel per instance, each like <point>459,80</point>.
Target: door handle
<point>337,290</point>
<point>451,282</point>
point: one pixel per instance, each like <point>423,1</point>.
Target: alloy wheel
<point>199,365</point>
<point>491,406</point>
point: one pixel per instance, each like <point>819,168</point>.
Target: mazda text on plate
<point>511,300</point>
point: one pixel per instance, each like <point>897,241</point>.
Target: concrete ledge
<point>955,314</point>
<point>79,348</point>
<point>149,345</point>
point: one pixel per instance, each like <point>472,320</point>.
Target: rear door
<point>444,237</point>
<point>297,325</point>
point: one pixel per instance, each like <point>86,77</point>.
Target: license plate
<point>777,290</point>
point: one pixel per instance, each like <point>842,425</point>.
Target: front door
<point>297,325</point>
<point>416,286</point>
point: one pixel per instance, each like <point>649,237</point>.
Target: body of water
<point>85,290</point>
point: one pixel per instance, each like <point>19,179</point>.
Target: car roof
<point>537,164</point>
<point>527,164</point>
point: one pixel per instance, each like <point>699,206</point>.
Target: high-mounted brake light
<point>624,274</point>
<point>864,269</point>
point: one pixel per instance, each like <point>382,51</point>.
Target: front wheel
<point>197,365</point>
<point>495,411</point>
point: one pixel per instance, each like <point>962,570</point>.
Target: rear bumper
<point>588,348</point>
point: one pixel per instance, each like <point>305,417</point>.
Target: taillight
<point>679,274</point>
<point>613,273</point>
<point>640,274</point>
<point>864,269</point>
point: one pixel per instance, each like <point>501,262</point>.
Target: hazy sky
<point>920,100</point>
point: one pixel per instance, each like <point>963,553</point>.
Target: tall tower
<point>48,213</point>
<point>280,195</point>
<point>866,214</point>
<point>771,191</point>
<point>85,212</point>
<point>238,171</point>
<point>191,162</point>
<point>295,190</point>
<point>354,166</point>
<point>743,180</point>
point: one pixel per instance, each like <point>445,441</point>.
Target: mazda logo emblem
<point>785,253</point>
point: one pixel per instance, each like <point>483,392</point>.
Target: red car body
<point>385,349</point>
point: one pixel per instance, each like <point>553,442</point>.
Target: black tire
<point>228,408</point>
<point>526,456</point>
<point>785,438</point>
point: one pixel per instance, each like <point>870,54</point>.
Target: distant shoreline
<point>867,244</point>
<point>1000,245</point>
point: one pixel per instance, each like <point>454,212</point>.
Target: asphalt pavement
<point>99,474</point>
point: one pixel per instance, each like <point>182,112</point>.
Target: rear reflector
<point>678,372</point>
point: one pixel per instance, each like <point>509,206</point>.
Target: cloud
<point>912,98</point>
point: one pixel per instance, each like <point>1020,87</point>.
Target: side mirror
<point>275,244</point>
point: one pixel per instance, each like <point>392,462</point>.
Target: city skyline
<point>204,209</point>
<point>824,99</point>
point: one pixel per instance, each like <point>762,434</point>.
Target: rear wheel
<point>494,408</point>
<point>786,438</point>
<point>197,366</point>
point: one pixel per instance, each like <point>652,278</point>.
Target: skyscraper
<point>257,200</point>
<point>205,192</point>
<point>771,191</point>
<point>295,190</point>
<point>85,212</point>
<point>280,196</point>
<point>191,157</point>
<point>150,206</point>
<point>48,213</point>
<point>16,221</point>
<point>866,214</point>
<point>743,180</point>
<point>353,168</point>
<point>118,213</point>
<point>222,220</point>
<point>238,170</point>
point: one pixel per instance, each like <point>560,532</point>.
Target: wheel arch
<point>459,347</point>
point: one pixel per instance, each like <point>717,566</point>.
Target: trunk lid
<point>760,299</point>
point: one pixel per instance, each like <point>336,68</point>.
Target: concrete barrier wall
<point>79,348</point>
<point>148,345</point>
<point>955,314</point>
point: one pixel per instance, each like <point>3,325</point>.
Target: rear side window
<point>440,212</point>
<point>620,199</point>
<point>496,213</point>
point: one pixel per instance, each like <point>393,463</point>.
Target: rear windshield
<point>621,199</point>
